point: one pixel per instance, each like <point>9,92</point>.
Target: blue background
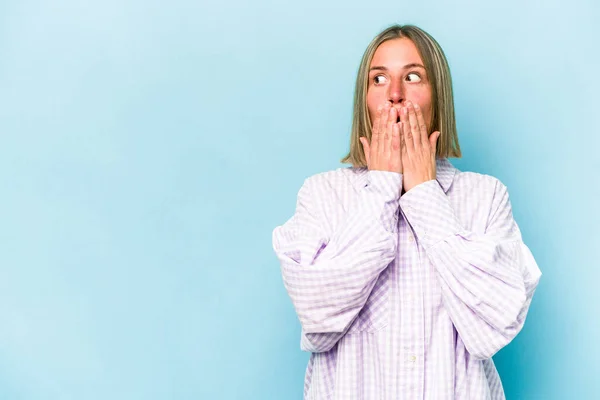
<point>148,149</point>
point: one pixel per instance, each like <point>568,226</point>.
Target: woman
<point>407,275</point>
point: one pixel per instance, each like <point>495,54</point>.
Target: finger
<point>406,132</point>
<point>403,150</point>
<point>375,126</point>
<point>385,108</point>
<point>382,129</point>
<point>393,116</point>
<point>396,137</point>
<point>395,152</point>
<point>414,126</point>
<point>422,125</point>
<point>400,137</point>
<point>374,145</point>
<point>366,150</point>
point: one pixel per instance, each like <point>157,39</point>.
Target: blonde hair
<point>438,71</point>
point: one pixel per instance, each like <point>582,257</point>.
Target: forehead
<point>396,53</point>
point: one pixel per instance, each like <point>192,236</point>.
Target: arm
<point>487,279</point>
<point>329,277</point>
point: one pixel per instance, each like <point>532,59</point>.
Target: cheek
<point>372,103</point>
<point>427,113</point>
<point>421,99</point>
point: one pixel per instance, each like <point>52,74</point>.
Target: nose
<point>395,92</point>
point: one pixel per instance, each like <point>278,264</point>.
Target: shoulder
<point>479,196</point>
<point>336,180</point>
<point>476,184</point>
<point>478,199</point>
<point>331,191</point>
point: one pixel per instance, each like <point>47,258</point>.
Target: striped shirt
<point>405,297</point>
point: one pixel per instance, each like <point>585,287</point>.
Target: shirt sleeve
<point>329,275</point>
<point>487,279</point>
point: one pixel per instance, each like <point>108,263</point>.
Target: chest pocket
<point>374,316</point>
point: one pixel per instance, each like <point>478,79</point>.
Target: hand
<point>419,148</point>
<point>383,152</point>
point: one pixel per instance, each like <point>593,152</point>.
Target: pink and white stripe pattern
<point>405,297</point>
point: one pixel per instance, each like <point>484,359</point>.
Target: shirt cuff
<point>383,189</point>
<point>429,212</point>
<point>385,183</point>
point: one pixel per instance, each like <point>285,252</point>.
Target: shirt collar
<point>445,172</point>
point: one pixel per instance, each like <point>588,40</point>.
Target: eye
<point>413,77</point>
<point>377,79</point>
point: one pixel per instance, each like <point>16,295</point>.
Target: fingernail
<point>416,106</point>
<point>404,110</point>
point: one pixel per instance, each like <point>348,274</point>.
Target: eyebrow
<point>382,68</point>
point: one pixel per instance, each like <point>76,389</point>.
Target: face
<point>397,75</point>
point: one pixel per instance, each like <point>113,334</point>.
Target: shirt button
<point>411,238</point>
<point>412,358</point>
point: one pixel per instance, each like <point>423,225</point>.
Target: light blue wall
<point>148,149</point>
